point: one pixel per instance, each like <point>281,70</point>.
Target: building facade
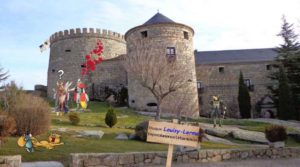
<point>218,74</point>
<point>209,72</point>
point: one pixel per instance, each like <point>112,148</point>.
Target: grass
<point>92,120</point>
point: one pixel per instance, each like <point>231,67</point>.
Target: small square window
<point>221,70</point>
<point>185,35</point>
<point>199,84</point>
<point>268,67</point>
<point>144,34</point>
<point>171,53</point>
<point>247,82</point>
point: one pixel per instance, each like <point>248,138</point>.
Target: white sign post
<point>173,134</point>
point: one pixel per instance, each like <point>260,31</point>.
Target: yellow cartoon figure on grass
<point>54,140</point>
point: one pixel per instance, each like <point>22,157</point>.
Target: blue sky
<point>219,25</point>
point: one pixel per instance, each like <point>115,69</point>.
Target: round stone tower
<point>171,38</point>
<point>69,47</point>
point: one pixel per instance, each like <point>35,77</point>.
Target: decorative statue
<point>29,142</point>
<point>80,97</point>
<point>61,97</point>
<point>217,110</point>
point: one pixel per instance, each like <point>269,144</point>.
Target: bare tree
<point>156,71</point>
<point>3,75</point>
<point>182,103</point>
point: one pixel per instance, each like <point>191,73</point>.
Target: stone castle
<point>211,73</point>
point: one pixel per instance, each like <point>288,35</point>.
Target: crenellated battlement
<point>86,32</point>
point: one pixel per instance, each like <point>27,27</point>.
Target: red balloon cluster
<point>92,59</point>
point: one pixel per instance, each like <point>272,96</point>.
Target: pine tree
<point>244,98</point>
<point>286,108</point>
<point>289,58</point>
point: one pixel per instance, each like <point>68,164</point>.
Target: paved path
<point>42,164</point>
<point>246,163</point>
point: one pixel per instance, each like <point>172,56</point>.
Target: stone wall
<point>159,37</point>
<point>68,49</point>
<point>10,161</point>
<point>225,83</point>
<point>159,158</point>
<point>110,73</point>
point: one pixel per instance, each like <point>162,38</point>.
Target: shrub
<point>141,130</point>
<point>31,113</point>
<point>275,133</point>
<point>74,118</point>
<point>111,117</point>
<point>7,126</point>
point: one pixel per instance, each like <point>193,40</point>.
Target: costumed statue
<point>61,96</point>
<point>217,110</point>
<point>80,96</point>
<point>29,142</point>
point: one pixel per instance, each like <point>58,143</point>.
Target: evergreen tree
<point>244,98</point>
<point>111,117</point>
<point>286,109</point>
<point>289,58</point>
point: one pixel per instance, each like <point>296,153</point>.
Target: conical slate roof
<point>158,18</point>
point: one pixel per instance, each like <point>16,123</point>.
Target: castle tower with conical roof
<point>166,37</point>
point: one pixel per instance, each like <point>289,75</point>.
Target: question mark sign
<point>61,73</point>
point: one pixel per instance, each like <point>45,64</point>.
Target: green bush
<point>111,117</point>
<point>141,130</point>
<point>275,133</point>
<point>74,118</point>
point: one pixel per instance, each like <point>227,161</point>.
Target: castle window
<point>185,35</point>
<point>247,82</point>
<point>249,85</point>
<point>53,70</point>
<point>221,70</point>
<point>171,53</point>
<point>144,34</point>
<point>68,50</point>
<point>268,67</point>
<point>200,86</point>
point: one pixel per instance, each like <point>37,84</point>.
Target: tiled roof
<point>158,18</point>
<point>234,56</point>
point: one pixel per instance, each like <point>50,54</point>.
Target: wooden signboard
<point>173,134</point>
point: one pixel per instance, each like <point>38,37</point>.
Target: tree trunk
<point>157,117</point>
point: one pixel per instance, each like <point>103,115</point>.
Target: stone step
<point>42,164</point>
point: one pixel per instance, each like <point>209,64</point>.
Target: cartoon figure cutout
<point>80,96</point>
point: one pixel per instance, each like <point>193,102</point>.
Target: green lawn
<point>92,120</point>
